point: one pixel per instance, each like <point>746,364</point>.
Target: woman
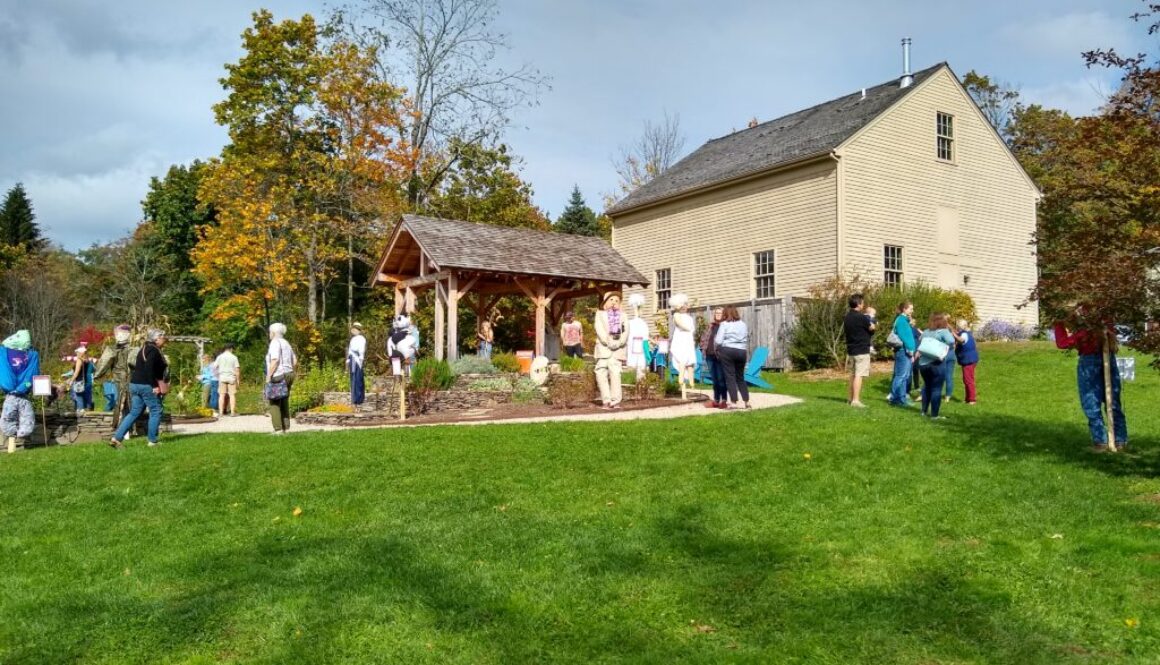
<point>903,356</point>
<point>280,366</point>
<point>732,346</point>
<point>716,369</point>
<point>933,372</point>
<point>82,381</point>
<point>147,386</point>
<point>683,352</point>
<point>968,357</point>
<point>209,383</point>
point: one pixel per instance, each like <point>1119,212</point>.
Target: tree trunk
<point>349,280</point>
<point>311,285</point>
<point>1109,412</point>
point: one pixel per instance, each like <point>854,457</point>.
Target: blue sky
<point>98,97</point>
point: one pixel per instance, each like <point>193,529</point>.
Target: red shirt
<point>1086,342</point>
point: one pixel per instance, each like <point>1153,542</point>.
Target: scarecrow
<point>20,363</point>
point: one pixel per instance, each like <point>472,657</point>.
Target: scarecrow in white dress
<point>637,337</point>
<point>683,350</point>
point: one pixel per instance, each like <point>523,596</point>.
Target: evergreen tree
<point>18,222</point>
<point>578,218</point>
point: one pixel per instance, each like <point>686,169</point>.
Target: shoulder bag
<point>894,341</point>
<point>933,349</point>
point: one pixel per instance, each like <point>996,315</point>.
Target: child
<point>872,314</point>
<point>968,357</point>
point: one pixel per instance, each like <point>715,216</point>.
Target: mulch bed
<point>510,412</point>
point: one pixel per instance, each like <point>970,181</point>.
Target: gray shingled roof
<point>469,246</point>
<point>813,131</point>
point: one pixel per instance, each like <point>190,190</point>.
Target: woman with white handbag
<point>933,348</point>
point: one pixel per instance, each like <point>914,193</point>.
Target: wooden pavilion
<point>479,263</point>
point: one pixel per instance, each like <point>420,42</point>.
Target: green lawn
<point>814,533</point>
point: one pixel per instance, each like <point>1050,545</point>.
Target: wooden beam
<point>466,288</point>
<point>391,278</point>
<point>528,290</point>
<point>426,279</point>
<point>440,321</point>
<point>400,299</point>
<point>452,318</point>
<point>409,300</point>
<point>541,304</point>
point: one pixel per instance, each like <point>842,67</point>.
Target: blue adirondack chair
<point>753,369</point>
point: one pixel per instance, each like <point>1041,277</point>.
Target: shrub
<point>997,330</point>
<point>311,383</point>
<point>473,365</point>
<point>429,376</point>
<point>506,362</point>
<point>525,391</point>
<point>571,364</point>
<point>491,384</point>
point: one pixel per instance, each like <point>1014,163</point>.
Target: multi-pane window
<point>945,125</point>
<point>763,269</point>
<point>664,287</point>
<point>892,261</point>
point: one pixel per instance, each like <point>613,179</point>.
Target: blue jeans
<point>949,365</point>
<point>900,384</point>
<point>717,376</point>
<point>1090,374</point>
<point>110,391</point>
<point>213,395</point>
<point>143,398</point>
<point>933,377</point>
<point>484,349</point>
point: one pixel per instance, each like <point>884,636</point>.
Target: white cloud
<point>1079,97</point>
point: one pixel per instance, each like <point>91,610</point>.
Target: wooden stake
<point>402,397</point>
<point>1109,412</point>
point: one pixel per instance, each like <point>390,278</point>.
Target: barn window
<point>892,262</point>
<point>763,274</point>
<point>945,125</point>
<point>664,287</point>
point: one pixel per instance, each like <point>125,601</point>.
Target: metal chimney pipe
<point>907,79</point>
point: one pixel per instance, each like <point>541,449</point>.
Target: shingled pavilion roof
<point>812,132</point>
<point>480,263</point>
<point>454,244</point>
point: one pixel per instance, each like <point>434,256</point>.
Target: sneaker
<point>722,405</point>
<point>938,417</point>
<point>710,405</point>
<point>1099,448</point>
<point>277,432</point>
<point>858,405</point>
<point>733,406</point>
<point>152,444</point>
<point>115,444</point>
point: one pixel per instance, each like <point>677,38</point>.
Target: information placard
<point>41,386</point>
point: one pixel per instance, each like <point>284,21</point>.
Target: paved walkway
<point>261,424</point>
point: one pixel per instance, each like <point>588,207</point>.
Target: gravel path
<point>261,424</point>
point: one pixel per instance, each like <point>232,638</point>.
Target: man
<point>229,372</point>
<point>1089,344</point>
<point>20,363</point>
<point>572,336</point>
<point>114,367</point>
<point>356,353</point>
<point>858,329</point>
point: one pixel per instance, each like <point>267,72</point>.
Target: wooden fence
<point>769,323</point>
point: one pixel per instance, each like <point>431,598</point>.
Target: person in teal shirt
<point>904,356</point>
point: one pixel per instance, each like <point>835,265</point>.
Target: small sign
<point>42,386</point>
<point>663,346</point>
<point>1127,367</point>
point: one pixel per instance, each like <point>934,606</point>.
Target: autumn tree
<point>658,147</point>
<point>577,218</point>
<point>446,53</point>
<point>997,100</point>
<point>484,187</point>
<point>18,223</point>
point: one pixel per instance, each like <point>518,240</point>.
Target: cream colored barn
<point>901,181</point>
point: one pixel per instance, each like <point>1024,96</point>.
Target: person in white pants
<point>611,337</point>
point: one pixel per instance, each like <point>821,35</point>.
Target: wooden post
<point>452,318</point>
<point>440,320</point>
<point>541,301</point>
<point>409,301</point>
<point>1109,412</point>
<point>400,300</point>
<point>401,381</point>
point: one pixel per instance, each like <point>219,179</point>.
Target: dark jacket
<point>708,343</point>
<point>149,367</point>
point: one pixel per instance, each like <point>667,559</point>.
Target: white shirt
<point>281,352</point>
<point>356,351</point>
<point>227,367</point>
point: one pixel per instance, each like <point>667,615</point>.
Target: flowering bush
<point>997,330</point>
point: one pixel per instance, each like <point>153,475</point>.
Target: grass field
<point>814,533</point>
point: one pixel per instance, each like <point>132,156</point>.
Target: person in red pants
<point>968,358</point>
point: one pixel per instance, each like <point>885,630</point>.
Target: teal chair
<point>753,368</point>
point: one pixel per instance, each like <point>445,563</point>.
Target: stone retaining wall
<point>91,427</point>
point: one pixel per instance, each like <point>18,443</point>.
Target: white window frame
<point>663,294</point>
<point>887,270</point>
<point>945,136</point>
<point>771,275</point>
